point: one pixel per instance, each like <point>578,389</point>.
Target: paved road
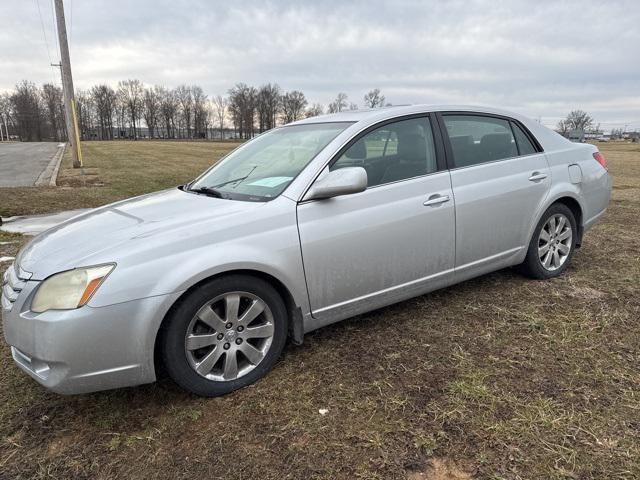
<point>22,163</point>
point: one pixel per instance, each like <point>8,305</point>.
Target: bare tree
<point>185,100</point>
<point>374,99</point>
<point>6,112</point>
<point>220,111</point>
<point>52,99</point>
<point>130,93</point>
<point>268,106</point>
<point>339,104</point>
<point>314,110</point>
<point>104,100</point>
<point>242,107</point>
<point>28,111</point>
<point>168,110</point>
<point>579,120</point>
<point>200,112</point>
<point>293,105</point>
<point>151,109</point>
<point>85,114</point>
<point>563,127</point>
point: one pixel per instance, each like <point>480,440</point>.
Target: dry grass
<point>113,171</point>
<point>499,377</point>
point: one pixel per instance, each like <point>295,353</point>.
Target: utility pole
<point>67,87</point>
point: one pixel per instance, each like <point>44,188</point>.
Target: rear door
<point>500,178</point>
<point>393,241</point>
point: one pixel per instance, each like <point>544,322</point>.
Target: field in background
<point>113,171</point>
<point>499,377</point>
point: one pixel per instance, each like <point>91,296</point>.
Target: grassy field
<point>115,170</point>
<point>499,377</point>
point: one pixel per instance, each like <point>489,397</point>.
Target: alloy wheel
<point>554,242</point>
<point>229,336</point>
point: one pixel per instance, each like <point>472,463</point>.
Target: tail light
<point>600,159</point>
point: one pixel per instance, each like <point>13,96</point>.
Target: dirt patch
<point>581,291</point>
<point>441,469</point>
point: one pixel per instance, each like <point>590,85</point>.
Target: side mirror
<point>338,182</point>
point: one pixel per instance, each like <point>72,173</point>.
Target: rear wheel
<point>225,335</point>
<point>552,244</point>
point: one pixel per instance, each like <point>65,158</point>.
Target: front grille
<point>12,285</point>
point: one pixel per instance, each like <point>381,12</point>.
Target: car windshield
<point>262,168</point>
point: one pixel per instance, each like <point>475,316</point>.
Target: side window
<point>478,139</point>
<point>396,151</point>
<point>524,144</point>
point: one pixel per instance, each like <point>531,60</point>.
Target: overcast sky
<point>537,57</point>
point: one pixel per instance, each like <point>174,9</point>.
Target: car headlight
<point>70,289</point>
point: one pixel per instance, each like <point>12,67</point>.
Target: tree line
<point>133,110</point>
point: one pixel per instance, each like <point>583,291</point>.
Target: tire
<point>534,265</point>
<point>202,335</point>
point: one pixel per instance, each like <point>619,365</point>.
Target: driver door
<point>391,242</point>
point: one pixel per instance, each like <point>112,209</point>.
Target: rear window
<point>479,139</point>
<point>524,144</point>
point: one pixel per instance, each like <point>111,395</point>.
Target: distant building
<point>593,134</point>
<point>576,135</point>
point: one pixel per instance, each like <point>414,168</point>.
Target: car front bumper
<point>86,349</point>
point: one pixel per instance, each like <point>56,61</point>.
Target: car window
<point>524,144</point>
<point>396,151</point>
<point>263,167</point>
<point>478,139</point>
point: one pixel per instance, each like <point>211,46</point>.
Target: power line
<point>46,42</point>
<point>53,22</point>
<point>44,34</point>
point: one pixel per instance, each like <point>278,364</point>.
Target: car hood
<point>81,240</point>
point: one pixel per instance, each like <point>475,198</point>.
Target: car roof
<point>377,114</point>
<point>364,118</point>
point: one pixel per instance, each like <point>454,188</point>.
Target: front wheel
<point>552,244</point>
<point>224,335</point>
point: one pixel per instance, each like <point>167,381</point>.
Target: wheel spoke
<point>230,365</point>
<point>232,304</point>
<point>252,353</point>
<point>544,235</point>
<point>211,318</point>
<point>206,364</point>
<point>560,226</point>
<point>256,308</point>
<point>543,250</point>
<point>261,331</point>
<point>547,259</point>
<point>564,235</point>
<point>564,249</point>
<point>552,225</point>
<point>556,259</point>
<point>195,342</point>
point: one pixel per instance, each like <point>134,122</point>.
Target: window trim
<point>526,134</point>
<point>439,145</point>
<point>441,165</point>
<point>450,159</point>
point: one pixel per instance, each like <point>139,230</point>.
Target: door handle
<point>536,176</point>
<point>436,200</point>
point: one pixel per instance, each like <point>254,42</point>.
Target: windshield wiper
<point>230,181</point>
<point>209,191</point>
<point>239,179</point>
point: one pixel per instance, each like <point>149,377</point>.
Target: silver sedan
<point>303,226</point>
